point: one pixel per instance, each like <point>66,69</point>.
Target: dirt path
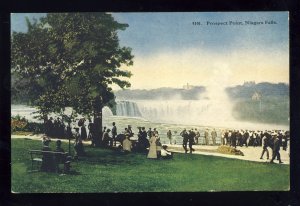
<point>250,153</point>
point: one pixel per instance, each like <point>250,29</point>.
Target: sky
<point>169,51</point>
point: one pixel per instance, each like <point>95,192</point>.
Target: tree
<point>76,55</point>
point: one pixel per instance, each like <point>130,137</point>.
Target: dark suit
<point>191,137</point>
<point>185,136</point>
<point>276,149</point>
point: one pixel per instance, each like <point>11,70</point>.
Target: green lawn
<point>108,171</point>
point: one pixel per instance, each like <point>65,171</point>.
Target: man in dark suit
<point>191,137</point>
<point>233,139</point>
<point>114,134</point>
<point>48,161</point>
<point>276,149</point>
<point>265,141</point>
<point>185,136</point>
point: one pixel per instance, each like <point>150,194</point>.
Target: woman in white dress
<point>127,144</point>
<point>152,150</point>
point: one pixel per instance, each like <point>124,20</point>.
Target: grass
<point>108,171</point>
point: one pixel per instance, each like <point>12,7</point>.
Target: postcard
<point>106,102</point>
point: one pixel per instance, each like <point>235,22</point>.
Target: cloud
<point>200,67</point>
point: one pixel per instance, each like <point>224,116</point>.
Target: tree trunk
<point>98,121</point>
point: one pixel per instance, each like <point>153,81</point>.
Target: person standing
<point>214,136</point>
<point>185,136</point>
<point>191,137</point>
<point>276,149</point>
<point>197,136</point>
<point>265,141</point>
<point>233,139</point>
<point>106,138</point>
<point>69,136</point>
<point>143,141</point>
<point>55,128</point>
<point>149,132</point>
<point>78,146</point>
<point>245,138</point>
<point>90,127</point>
<point>83,132</point>
<point>169,135</point>
<point>114,134</point>
<point>129,130</point>
<point>127,145</point>
<point>223,137</point>
<point>206,136</point>
<point>284,141</point>
<point>49,127</point>
<point>152,154</point>
<point>155,131</point>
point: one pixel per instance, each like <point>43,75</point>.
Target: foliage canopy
<point>71,59</point>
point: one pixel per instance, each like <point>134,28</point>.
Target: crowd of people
<point>149,141</point>
<point>274,139</point>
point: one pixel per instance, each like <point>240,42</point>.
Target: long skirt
<point>152,152</point>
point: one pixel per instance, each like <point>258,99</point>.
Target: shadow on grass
<point>111,157</point>
<point>72,172</point>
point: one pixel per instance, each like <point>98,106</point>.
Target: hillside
<point>264,102</point>
<point>161,93</point>
<point>246,90</point>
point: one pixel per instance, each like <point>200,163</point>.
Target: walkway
<point>250,153</point>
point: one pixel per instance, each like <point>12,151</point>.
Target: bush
<point>19,124</point>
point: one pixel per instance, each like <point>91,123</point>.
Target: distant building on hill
<point>187,86</point>
<point>249,83</point>
<point>256,96</point>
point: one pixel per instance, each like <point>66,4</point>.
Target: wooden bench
<point>37,158</point>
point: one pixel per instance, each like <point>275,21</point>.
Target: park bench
<point>37,159</point>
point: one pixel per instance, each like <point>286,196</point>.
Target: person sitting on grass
<point>48,161</point>
<point>165,154</point>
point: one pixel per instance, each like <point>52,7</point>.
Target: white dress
<point>152,150</point>
<point>127,145</point>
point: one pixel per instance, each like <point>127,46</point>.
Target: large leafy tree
<point>74,58</point>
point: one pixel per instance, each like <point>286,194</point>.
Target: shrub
<point>19,124</point>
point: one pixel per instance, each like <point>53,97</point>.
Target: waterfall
<point>176,111</point>
<point>214,111</point>
<point>127,108</point>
